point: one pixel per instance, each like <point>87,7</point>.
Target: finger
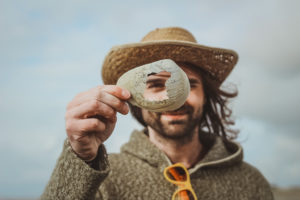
<point>116,91</point>
<point>76,129</point>
<point>90,109</point>
<point>82,97</point>
<point>114,102</point>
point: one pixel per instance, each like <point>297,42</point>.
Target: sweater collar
<point>219,154</point>
<point>140,146</point>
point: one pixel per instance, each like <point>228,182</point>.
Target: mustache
<point>184,109</point>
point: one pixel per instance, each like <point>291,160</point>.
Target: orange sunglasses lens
<point>184,195</point>
<point>177,174</point>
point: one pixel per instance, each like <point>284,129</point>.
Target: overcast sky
<point>51,50</point>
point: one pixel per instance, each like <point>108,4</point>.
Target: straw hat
<point>174,43</point>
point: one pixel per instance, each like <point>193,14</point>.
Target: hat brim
<point>216,61</point>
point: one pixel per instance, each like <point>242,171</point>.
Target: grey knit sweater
<point>137,173</point>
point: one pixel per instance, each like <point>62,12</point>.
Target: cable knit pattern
<point>73,179</point>
<point>137,173</point>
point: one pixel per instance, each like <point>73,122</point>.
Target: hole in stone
<point>156,89</point>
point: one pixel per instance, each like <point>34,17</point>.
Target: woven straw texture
<point>168,43</point>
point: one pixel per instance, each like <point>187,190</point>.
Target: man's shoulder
<point>252,174</point>
<point>249,168</point>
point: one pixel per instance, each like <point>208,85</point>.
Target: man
<point>197,134</point>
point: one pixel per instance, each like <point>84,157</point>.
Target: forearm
<point>72,178</point>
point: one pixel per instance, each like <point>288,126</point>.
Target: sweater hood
<point>220,153</point>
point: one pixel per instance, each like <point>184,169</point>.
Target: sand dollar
<point>177,86</point>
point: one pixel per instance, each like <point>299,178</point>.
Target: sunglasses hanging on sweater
<point>178,175</point>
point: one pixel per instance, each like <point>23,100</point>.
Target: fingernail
<point>125,108</point>
<point>126,93</point>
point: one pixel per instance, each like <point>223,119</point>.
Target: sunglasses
<point>178,175</point>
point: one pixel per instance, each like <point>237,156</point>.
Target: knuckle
<point>118,104</point>
<point>111,89</point>
<point>69,127</point>
<point>100,94</point>
<point>118,89</point>
<point>90,125</point>
<point>94,104</point>
<point>102,127</point>
<point>67,115</point>
<point>109,112</point>
<point>85,128</point>
<point>94,124</point>
<point>72,138</point>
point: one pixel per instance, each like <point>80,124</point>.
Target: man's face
<point>184,121</point>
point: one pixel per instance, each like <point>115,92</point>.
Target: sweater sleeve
<point>73,179</point>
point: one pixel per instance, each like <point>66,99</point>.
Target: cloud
<point>268,70</point>
<point>273,149</point>
<point>265,96</point>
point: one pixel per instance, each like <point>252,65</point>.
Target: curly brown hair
<point>216,116</point>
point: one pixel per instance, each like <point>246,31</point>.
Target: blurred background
<point>52,50</point>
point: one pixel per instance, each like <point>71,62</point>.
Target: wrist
<point>94,163</point>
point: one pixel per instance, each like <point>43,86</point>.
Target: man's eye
<point>193,85</point>
<point>156,85</point>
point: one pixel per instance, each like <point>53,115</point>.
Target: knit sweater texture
<point>137,173</point>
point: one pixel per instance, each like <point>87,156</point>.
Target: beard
<point>181,129</point>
